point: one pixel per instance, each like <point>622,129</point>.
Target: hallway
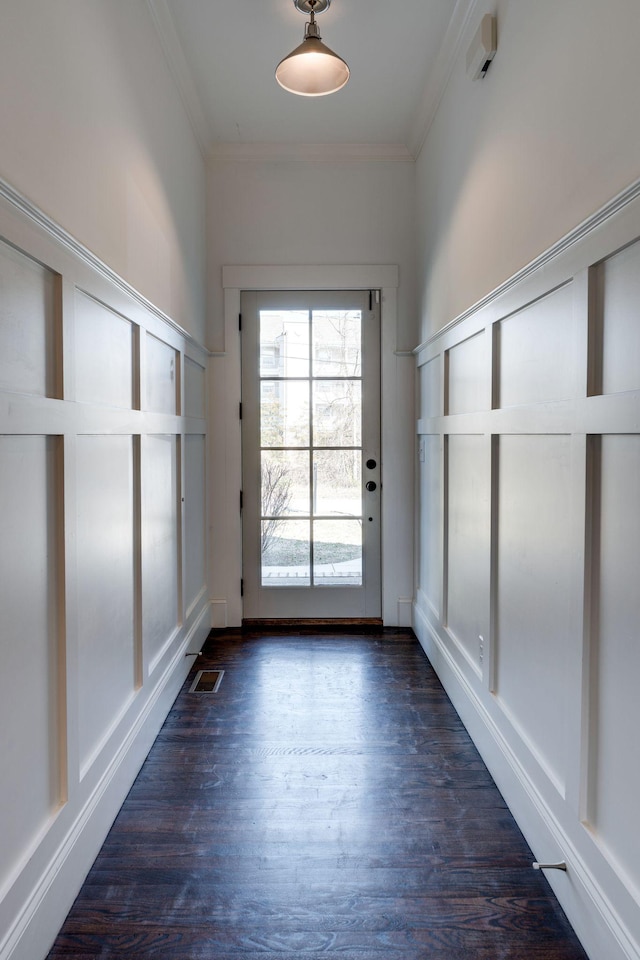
<point>325,802</point>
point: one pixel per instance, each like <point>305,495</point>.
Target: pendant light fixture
<point>312,69</point>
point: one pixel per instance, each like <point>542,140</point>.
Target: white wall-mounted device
<point>483,48</point>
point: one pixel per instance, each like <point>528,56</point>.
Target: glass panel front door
<point>311,422</point>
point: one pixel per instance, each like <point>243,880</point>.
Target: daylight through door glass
<point>310,447</point>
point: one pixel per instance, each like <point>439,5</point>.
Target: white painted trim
<point>397,432</point>
<point>35,927</point>
<point>312,152</point>
<point>310,277</point>
<point>592,914</point>
<point>181,72</point>
<point>571,239</point>
<point>458,29</point>
<point>598,896</point>
<point>38,894</point>
<point>57,233</point>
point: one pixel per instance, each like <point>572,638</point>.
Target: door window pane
<point>286,553</point>
<point>284,343</point>
<point>337,487</point>
<point>336,413</point>
<point>284,481</point>
<point>337,553</point>
<point>284,413</point>
<point>336,343</point>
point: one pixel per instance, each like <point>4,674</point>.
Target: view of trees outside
<point>310,395</point>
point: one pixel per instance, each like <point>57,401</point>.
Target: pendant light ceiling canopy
<point>312,69</point>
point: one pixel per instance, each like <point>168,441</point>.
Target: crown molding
<point>440,73</point>
<point>318,152</point>
<point>181,72</point>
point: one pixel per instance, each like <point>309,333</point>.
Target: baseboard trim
<point>591,913</point>
<point>314,625</point>
<point>38,922</point>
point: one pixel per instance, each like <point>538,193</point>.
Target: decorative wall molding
<point>28,209</point>
<point>529,439</point>
<point>520,791</point>
<point>397,409</point>
<point>457,31</point>
<point>312,152</point>
<point>311,277</point>
<point>181,72</point>
<point>101,386</point>
<point>588,226</point>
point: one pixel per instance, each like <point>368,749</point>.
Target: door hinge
<point>241,501</point>
<point>240,410</point>
<point>242,588</point>
<point>240,322</point>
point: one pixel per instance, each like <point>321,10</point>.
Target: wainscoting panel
<point>468,533</point>
<point>97,553</point>
<point>27,324</point>
<point>194,389</point>
<point>195,529</point>
<point>431,389</point>
<point>29,676</point>
<point>161,379</point>
<point>105,617</point>
<point>615,811</point>
<point>536,351</point>
<point>530,531</point>
<point>159,545</point>
<point>103,354</point>
<point>467,376</point>
<point>533,595</point>
<point>619,307</point>
<point>431,521</point>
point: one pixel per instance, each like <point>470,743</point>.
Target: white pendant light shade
<point>312,69</point>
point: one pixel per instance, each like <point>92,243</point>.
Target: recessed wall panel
<point>430,576</point>
<point>194,389</point>
<point>467,376</point>
<point>159,543</point>
<point>103,354</point>
<point>28,649</point>
<point>533,592</point>
<point>431,399</point>
<point>537,355</point>
<point>616,771</point>
<point>620,316</point>
<point>194,516</point>
<point>27,310</point>
<point>105,586</point>
<point>468,532</point>
<point>161,376</point>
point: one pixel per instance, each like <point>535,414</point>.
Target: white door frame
<point>397,376</point>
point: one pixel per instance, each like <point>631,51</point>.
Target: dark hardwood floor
<point>325,804</point>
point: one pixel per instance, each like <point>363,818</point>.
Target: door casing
<point>398,434</point>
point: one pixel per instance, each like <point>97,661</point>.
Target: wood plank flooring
<point>325,804</point>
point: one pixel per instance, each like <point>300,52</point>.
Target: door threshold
<point>315,625</point>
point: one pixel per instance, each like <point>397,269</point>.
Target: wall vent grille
<point>207,681</point>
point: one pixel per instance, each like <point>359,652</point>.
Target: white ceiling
<point>223,54</point>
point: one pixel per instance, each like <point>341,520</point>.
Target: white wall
<point>528,432</point>
<point>513,162</point>
<point>314,214</point>
<point>94,134</point>
<point>102,434</point>
<point>102,558</point>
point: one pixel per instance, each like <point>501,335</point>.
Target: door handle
<point>371,485</point>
